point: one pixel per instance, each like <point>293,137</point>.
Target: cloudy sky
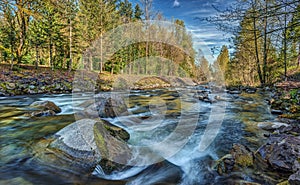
<point>189,10</point>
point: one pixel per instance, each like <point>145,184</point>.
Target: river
<point>184,130</point>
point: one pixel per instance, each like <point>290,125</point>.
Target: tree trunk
<point>36,57</point>
<point>265,43</point>
<point>284,45</point>
<point>70,46</point>
<point>256,48</point>
<point>50,54</point>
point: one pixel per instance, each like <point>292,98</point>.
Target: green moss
<point>284,183</point>
<point>117,132</point>
<point>291,116</point>
<point>244,160</point>
<point>100,141</point>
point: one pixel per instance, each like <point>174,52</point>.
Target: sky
<point>204,33</point>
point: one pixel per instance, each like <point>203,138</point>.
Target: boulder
<point>42,113</point>
<point>271,126</point>
<point>82,145</point>
<point>281,152</point>
<point>242,155</point>
<point>295,178</point>
<point>153,82</point>
<point>104,106</point>
<point>225,165</point>
<point>46,105</point>
<point>111,143</point>
<point>43,108</point>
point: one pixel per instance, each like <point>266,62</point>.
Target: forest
<point>265,42</point>
<point>264,45</point>
<point>57,33</point>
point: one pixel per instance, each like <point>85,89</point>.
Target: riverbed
<point>192,134</point>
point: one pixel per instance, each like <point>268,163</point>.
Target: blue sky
<point>189,10</point>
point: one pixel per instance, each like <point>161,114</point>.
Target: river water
<point>185,134</point>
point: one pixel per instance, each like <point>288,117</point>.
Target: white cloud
<point>200,12</point>
<point>176,3</point>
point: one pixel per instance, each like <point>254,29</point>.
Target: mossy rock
<point>110,143</point>
<point>151,83</point>
<point>242,155</point>
<point>225,164</point>
<point>291,116</point>
<point>115,131</point>
<point>295,109</point>
<point>46,105</point>
<point>284,183</point>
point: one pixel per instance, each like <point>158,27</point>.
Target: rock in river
<point>80,146</point>
<point>281,152</point>
<point>104,106</point>
<point>46,105</point>
<point>44,108</point>
<point>240,157</point>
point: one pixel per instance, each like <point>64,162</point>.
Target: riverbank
<point>26,80</point>
<point>276,161</point>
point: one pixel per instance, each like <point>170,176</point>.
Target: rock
<point>31,87</point>
<point>242,182</point>
<point>104,106</point>
<point>81,146</point>
<point>281,151</point>
<point>239,157</point>
<point>112,148</point>
<point>201,95</point>
<point>242,155</point>
<point>15,181</point>
<point>225,164</point>
<point>284,183</point>
<point>293,128</point>
<point>115,131</point>
<point>295,178</point>
<point>151,83</point>
<point>46,105</point>
<point>77,140</point>
<point>278,112</point>
<point>251,90</point>
<point>77,90</point>
<point>111,107</point>
<point>219,98</point>
<point>235,92</point>
<point>10,86</point>
<point>42,113</point>
<point>271,126</point>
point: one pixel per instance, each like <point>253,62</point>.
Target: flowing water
<point>175,137</point>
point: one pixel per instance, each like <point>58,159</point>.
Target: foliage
<point>265,39</point>
<point>56,33</point>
